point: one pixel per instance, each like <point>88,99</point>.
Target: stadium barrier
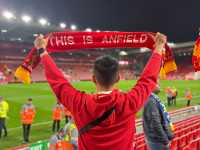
<point>140,142</point>
<point>176,113</point>
<point>40,145</point>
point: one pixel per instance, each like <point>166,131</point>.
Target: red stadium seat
<point>140,142</point>
<point>198,133</point>
<point>194,134</point>
<point>194,145</point>
<point>174,144</point>
<point>186,148</point>
<point>187,130</point>
<point>141,147</point>
<point>182,141</point>
<point>189,137</point>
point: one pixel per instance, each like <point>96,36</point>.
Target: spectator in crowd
<point>4,107</point>
<point>27,116</point>
<point>188,96</point>
<point>156,123</point>
<point>169,94</point>
<point>57,116</point>
<point>174,95</point>
<point>72,133</point>
<point>64,136</point>
<point>105,120</point>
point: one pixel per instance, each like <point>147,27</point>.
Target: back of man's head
<point>106,70</point>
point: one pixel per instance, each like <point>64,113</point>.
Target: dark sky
<point>179,19</point>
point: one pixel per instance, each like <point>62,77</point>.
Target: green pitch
<point>44,100</point>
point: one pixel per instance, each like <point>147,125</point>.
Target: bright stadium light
<point>97,30</point>
<point>43,21</point>
<point>35,34</point>
<point>63,25</point>
<point>123,53</point>
<point>19,39</point>
<point>4,31</point>
<point>8,15</point>
<point>73,27</point>
<point>88,29</point>
<point>26,18</point>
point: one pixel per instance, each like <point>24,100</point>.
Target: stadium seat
<point>194,145</point>
<point>185,148</point>
<point>140,142</point>
<point>182,141</point>
<point>180,133</point>
<point>174,144</point>
<point>194,134</point>
<point>198,132</point>
<point>189,137</point>
<point>141,147</point>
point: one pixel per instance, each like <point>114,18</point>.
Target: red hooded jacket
<point>117,131</point>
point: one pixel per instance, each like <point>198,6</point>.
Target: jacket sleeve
<point>71,98</point>
<point>169,133</point>
<point>156,123</point>
<point>137,96</point>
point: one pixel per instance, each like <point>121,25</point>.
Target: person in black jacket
<point>156,123</point>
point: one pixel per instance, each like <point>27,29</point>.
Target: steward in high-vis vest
<point>27,117</point>
<point>188,96</point>
<point>174,95</point>
<point>4,107</point>
<point>57,116</point>
<point>169,93</point>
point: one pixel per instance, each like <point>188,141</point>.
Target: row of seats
<point>187,136</point>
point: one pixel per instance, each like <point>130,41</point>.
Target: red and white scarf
<point>72,41</point>
<point>196,55</point>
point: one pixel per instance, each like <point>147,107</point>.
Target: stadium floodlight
<point>26,18</point>
<point>171,44</point>
<point>35,35</point>
<point>19,39</point>
<point>73,27</point>
<point>8,15</point>
<point>4,31</point>
<point>63,25</point>
<point>88,29</point>
<point>123,53</point>
<point>43,21</point>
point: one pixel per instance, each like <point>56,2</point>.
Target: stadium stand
<point>75,63</point>
<point>187,136</point>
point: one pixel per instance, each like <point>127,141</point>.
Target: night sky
<point>178,19</point>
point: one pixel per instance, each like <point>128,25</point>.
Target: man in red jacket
<point>106,120</point>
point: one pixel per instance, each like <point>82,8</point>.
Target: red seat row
<point>187,136</point>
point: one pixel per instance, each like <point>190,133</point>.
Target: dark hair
<point>106,69</point>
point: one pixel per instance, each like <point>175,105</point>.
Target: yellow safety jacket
<point>3,109</point>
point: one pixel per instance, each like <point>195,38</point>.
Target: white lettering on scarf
<point>128,39</point>
<point>62,40</point>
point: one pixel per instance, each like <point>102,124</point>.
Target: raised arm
<point>65,93</point>
<point>137,96</point>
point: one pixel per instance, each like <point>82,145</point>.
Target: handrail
<point>172,113</point>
